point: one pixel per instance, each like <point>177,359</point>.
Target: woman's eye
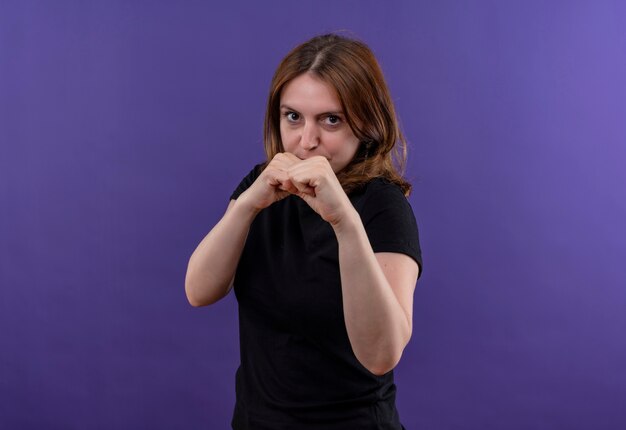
<point>333,119</point>
<point>292,116</point>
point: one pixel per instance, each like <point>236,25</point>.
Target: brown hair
<point>350,67</point>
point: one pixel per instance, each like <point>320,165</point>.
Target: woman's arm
<point>212,265</point>
<point>377,288</point>
<point>377,297</point>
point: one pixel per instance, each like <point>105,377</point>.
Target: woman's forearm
<point>213,264</point>
<point>377,325</point>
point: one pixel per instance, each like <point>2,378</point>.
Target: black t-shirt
<point>297,367</point>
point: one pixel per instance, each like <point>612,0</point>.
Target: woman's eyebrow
<point>334,112</point>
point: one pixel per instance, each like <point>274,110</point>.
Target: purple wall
<point>124,126</point>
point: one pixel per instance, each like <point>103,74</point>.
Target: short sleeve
<point>247,181</point>
<point>389,221</point>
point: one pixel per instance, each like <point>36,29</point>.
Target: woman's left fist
<point>314,181</point>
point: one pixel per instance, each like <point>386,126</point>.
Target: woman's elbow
<point>192,291</point>
<point>192,299</point>
<point>383,367</point>
<point>384,363</point>
<point>208,296</point>
<point>194,302</point>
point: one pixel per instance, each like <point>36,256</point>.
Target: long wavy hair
<point>350,67</point>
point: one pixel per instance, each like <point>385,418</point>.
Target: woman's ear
<point>367,143</point>
<point>365,147</point>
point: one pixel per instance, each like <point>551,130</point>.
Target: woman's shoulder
<point>388,218</point>
<point>382,183</point>
<point>376,194</point>
<point>381,187</point>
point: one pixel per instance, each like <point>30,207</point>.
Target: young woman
<point>321,246</point>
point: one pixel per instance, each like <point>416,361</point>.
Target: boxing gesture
<point>312,179</point>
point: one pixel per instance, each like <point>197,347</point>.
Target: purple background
<point>124,127</point>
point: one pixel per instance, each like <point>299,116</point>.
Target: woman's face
<point>312,122</point>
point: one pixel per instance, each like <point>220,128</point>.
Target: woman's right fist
<point>273,184</point>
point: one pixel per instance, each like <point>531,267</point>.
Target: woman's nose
<point>310,136</point>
